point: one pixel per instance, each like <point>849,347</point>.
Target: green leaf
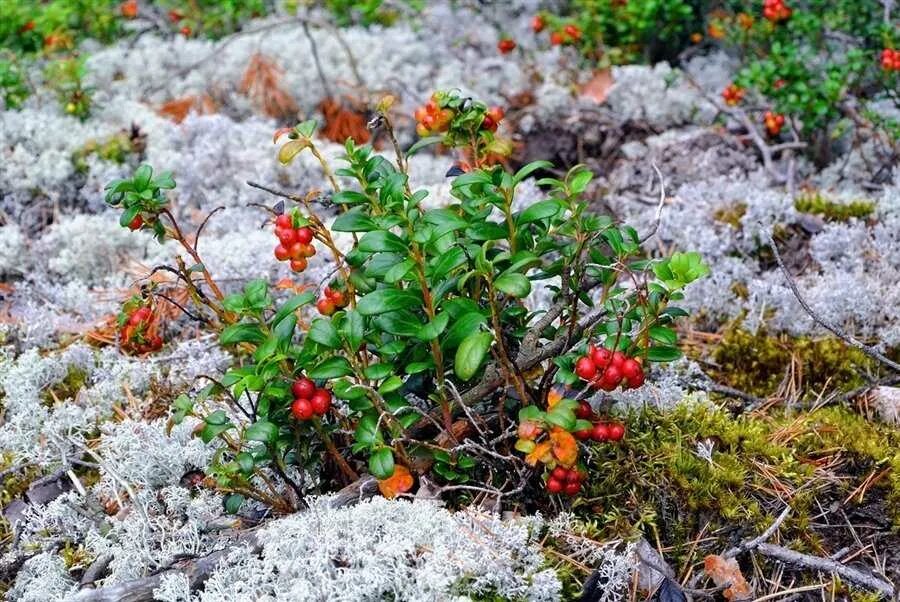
<point>514,285</point>
<point>398,271</point>
<point>142,176</point>
<point>532,167</point>
<point>128,215</point>
<point>562,417</point>
<point>663,353</point>
<point>332,367</point>
<point>387,300</point>
<point>391,384</point>
<point>378,371</point>
<point>580,180</point>
<point>663,335</point>
<point>292,305</point>
<point>262,430</point>
<point>349,197</point>
<point>381,463</point>
<point>164,180</point>
<point>471,353</point>
<point>422,143</point>
<point>241,333</point>
<point>531,414</point>
<point>215,424</point>
<point>462,327</point>
<point>367,430</point>
<point>324,333</point>
<point>538,211</point>
<point>233,502</point>
<point>433,329</point>
<point>352,328</point>
<point>379,241</point>
<point>353,221</point>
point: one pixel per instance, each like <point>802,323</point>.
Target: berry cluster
<point>605,369</point>
<point>332,301</point>
<point>733,95</point>
<point>890,59</point>
<point>129,9</point>
<point>600,431</point>
<point>309,400</point>
<point>432,119</point>
<point>506,45</point>
<point>774,122</point>
<point>138,331</point>
<point>565,480</point>
<point>294,243</point>
<point>568,34</point>
<point>776,11</point>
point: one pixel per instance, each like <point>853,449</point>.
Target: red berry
<point>554,486</point>
<point>296,250</point>
<point>584,410</point>
<point>338,299</point>
<point>584,434</point>
<point>616,431</point>
<point>572,476</point>
<point>631,368</point>
<point>302,409</point>
<point>556,38</point>
<point>618,360</point>
<point>489,124</point>
<point>573,488</point>
<point>496,113</point>
<point>281,253</point>
<point>637,381</point>
<point>325,306</point>
<point>585,368</point>
<point>298,265</point>
<point>140,315</point>
<point>572,31</point>
<point>610,379</point>
<point>506,45</point>
<point>304,235</point>
<point>600,432</point>
<point>538,24</point>
<point>136,223</point>
<point>284,221</point>
<point>303,388</point>
<point>601,357</point>
<point>287,236</point>
<point>321,402</point>
<point>559,473</point>
<point>185,31</point>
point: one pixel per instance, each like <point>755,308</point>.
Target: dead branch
<point>659,207</point>
<point>827,565</point>
<point>834,329</point>
<point>756,541</point>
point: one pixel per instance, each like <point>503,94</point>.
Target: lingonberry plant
<point>428,340</point>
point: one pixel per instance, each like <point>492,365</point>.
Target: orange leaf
<point>540,453</point>
<point>727,572</point>
<point>553,398</point>
<point>565,447</point>
<point>400,482</point>
<point>597,89</point>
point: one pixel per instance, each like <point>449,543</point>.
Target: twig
<point>755,542</point>
<point>828,566</point>
<point>659,207</point>
<point>852,341</point>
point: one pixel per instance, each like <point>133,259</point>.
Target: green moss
<point>731,214</point>
<point>115,149</point>
<point>757,363</point>
<point>815,202</point>
<point>65,389</point>
<point>16,482</point>
<point>656,483</point>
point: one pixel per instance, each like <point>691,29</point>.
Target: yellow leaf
<point>540,453</point>
<point>553,398</point>
<point>399,482</point>
<point>565,447</point>
<point>291,149</point>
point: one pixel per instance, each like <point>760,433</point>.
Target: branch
<point>852,341</point>
<point>755,542</point>
<point>659,207</point>
<point>827,565</point>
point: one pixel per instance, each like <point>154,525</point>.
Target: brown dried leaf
<point>597,89</point>
<point>727,572</point>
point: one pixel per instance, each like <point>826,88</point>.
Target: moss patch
<point>65,389</point>
<point>731,214</point>
<point>816,203</point>
<point>757,363</point>
<point>698,468</point>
